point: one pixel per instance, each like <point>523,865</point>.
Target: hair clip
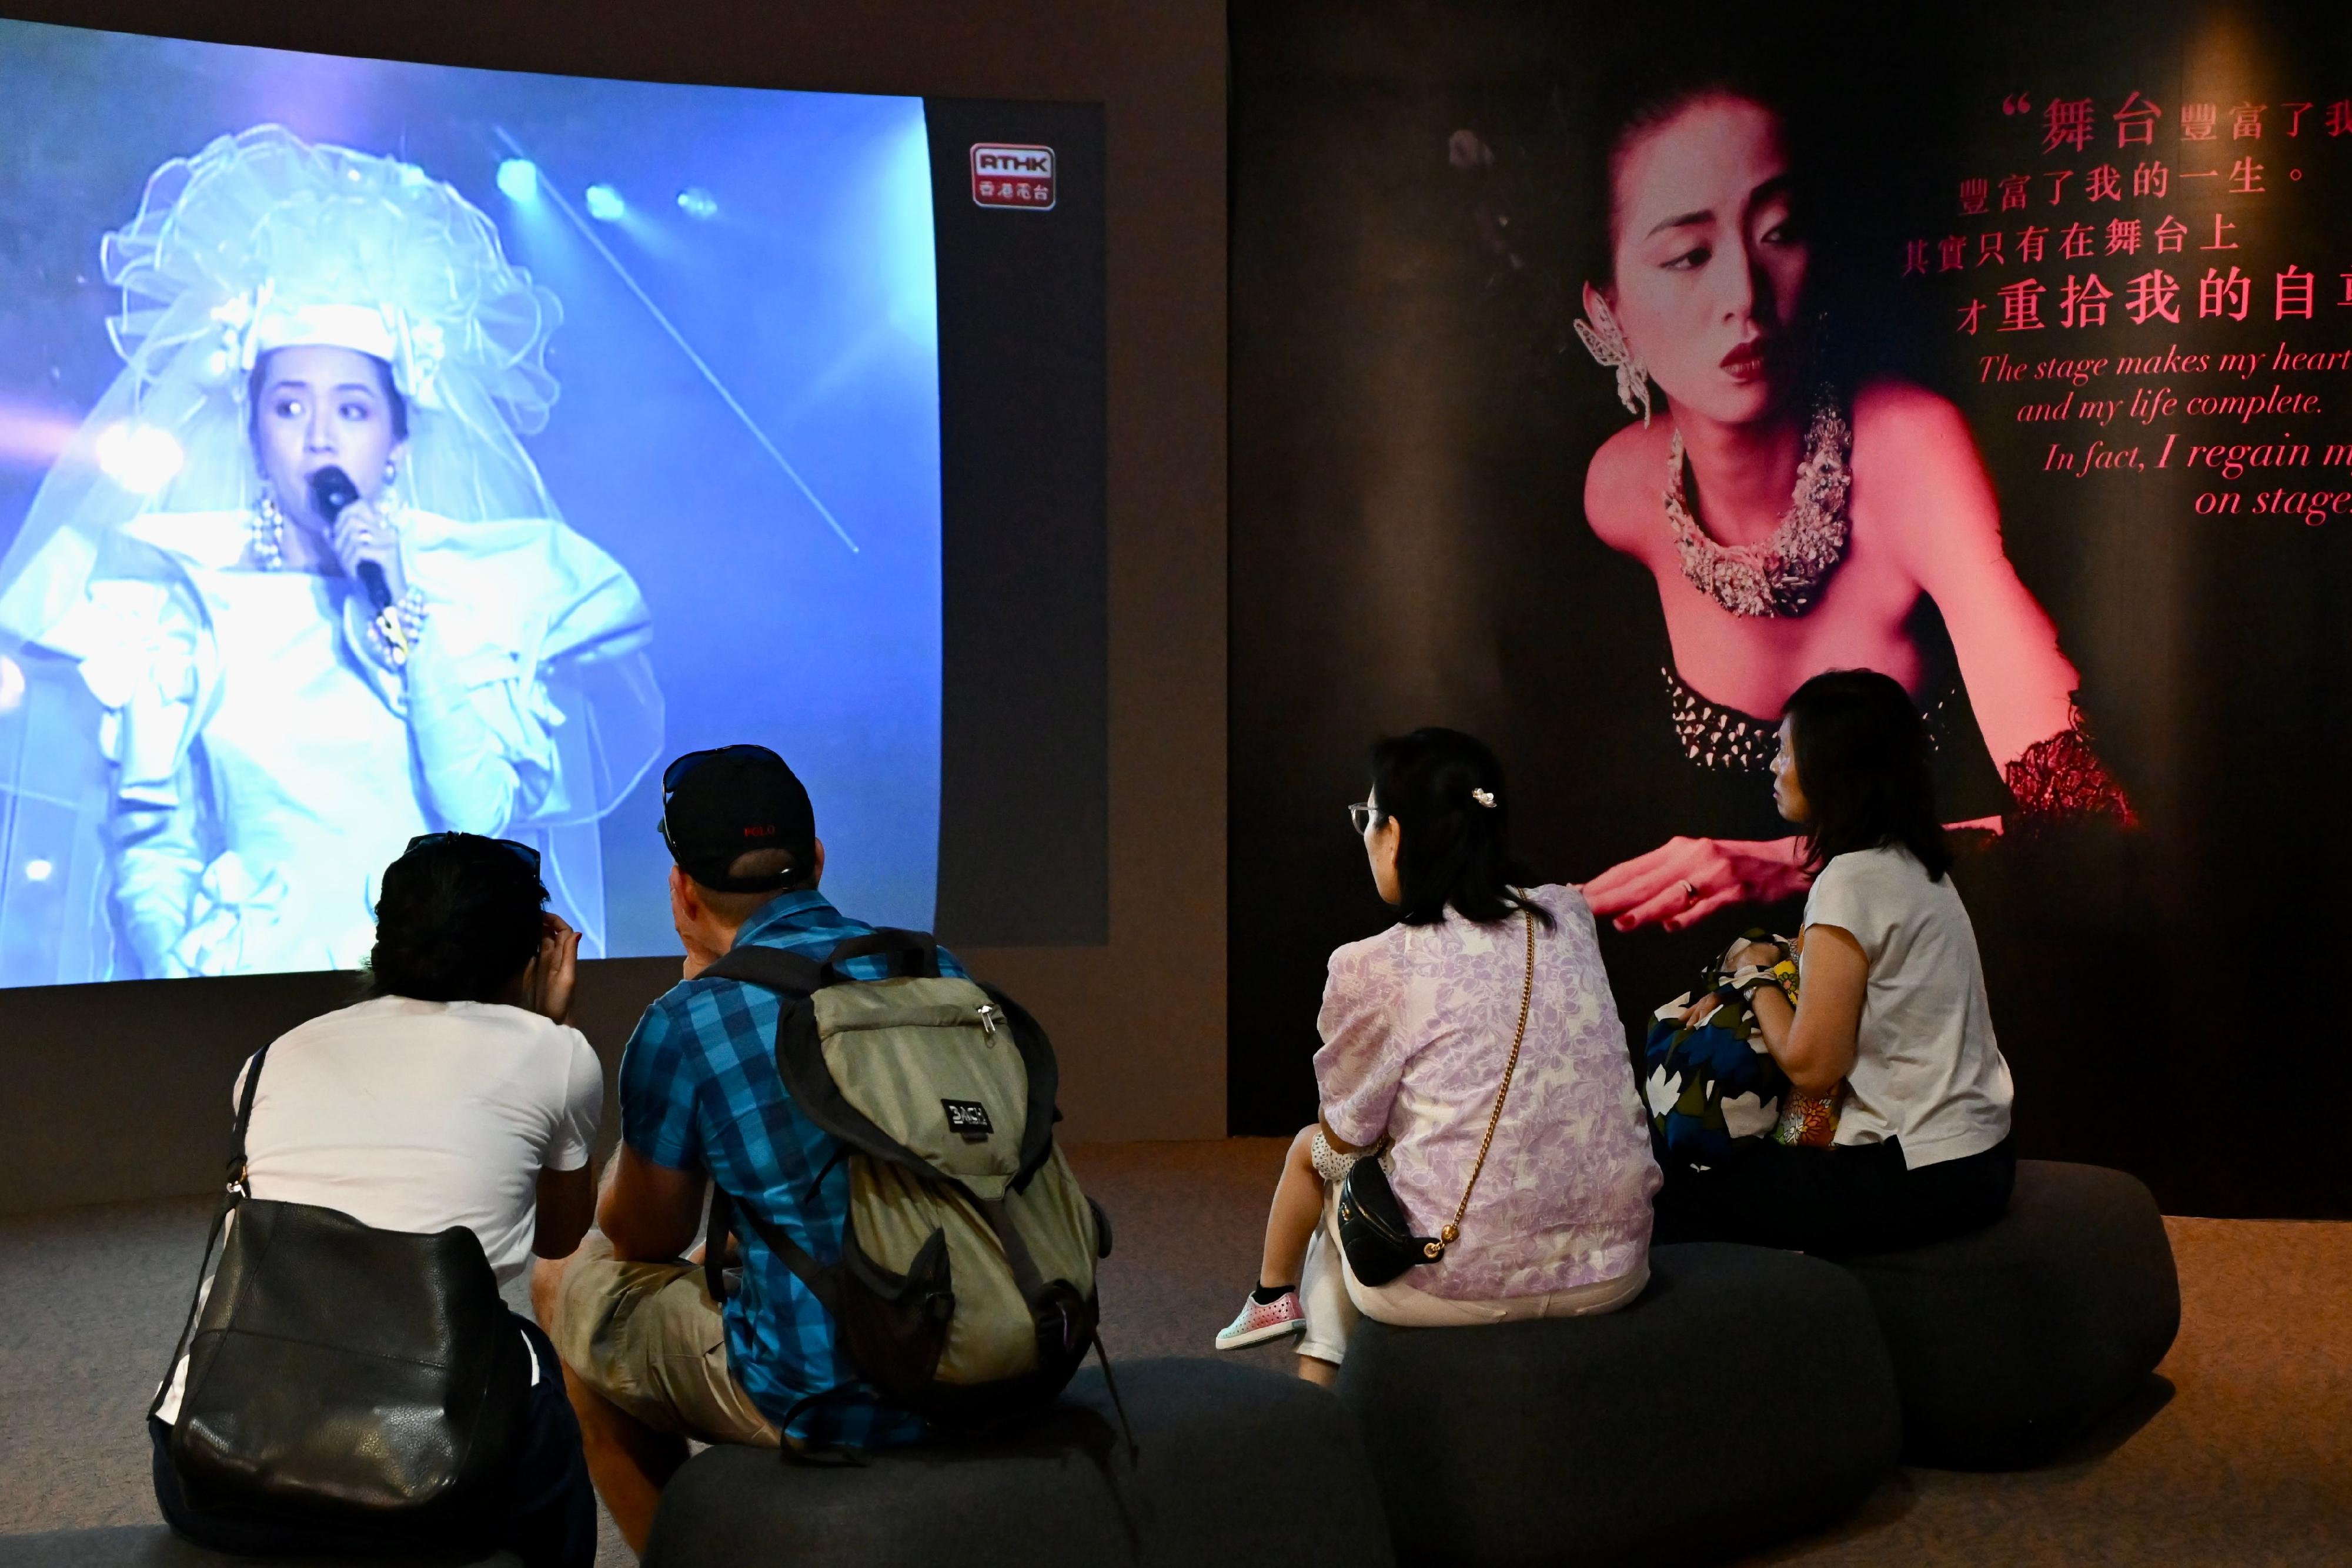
<point>1483,797</point>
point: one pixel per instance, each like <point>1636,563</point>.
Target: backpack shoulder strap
<point>772,967</point>
<point>1045,1085</point>
<point>799,1056</point>
<point>908,953</point>
<point>794,1257</point>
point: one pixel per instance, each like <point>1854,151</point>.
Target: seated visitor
<point>1891,1020</point>
<point>1550,1193</point>
<point>457,1095</point>
<point>652,1361</point>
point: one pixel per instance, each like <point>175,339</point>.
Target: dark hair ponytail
<point>1862,765</point>
<point>1446,791</point>
<point>458,919</point>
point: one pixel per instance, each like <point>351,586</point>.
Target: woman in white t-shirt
<point>1891,1016</point>
<point>458,1094</point>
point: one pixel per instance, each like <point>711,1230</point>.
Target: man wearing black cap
<point>650,1359</point>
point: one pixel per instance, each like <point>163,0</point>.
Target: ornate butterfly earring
<point>1604,339</point>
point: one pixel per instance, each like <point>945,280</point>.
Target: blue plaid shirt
<point>699,1092</point>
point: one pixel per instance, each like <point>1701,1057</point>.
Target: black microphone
<point>331,491</point>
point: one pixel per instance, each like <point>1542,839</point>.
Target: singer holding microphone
<point>348,613</point>
<point>315,407</point>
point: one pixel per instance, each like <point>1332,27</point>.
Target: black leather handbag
<point>1373,1231</point>
<point>344,1381</point>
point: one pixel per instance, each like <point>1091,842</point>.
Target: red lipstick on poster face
<point>1746,362</point>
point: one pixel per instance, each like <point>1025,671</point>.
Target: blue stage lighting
<point>605,204</point>
<point>696,203</point>
<point>518,179</point>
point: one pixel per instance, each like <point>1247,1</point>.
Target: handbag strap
<point>244,1117</point>
<point>230,1194</point>
<point>1453,1228</point>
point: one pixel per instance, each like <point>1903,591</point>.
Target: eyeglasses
<point>675,774</point>
<point>522,853</point>
<point>1363,814</point>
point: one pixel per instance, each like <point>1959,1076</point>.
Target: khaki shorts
<point>648,1337</point>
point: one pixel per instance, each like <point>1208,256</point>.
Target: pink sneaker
<point>1263,1321</point>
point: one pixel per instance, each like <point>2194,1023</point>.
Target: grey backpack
<point>966,1286</point>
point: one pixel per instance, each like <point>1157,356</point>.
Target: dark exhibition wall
<point>2074,275</point>
<point>1087,850</point>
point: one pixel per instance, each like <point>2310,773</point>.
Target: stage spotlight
<point>519,180</point>
<point>605,204</point>
<point>696,203</point>
<point>138,457</point>
<point>39,871</point>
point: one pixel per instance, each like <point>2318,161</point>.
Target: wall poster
<point>1600,377</point>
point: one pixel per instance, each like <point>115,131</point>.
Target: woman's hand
<point>364,533</point>
<point>1699,1011</point>
<point>1684,881</point>
<point>557,970</point>
<point>1745,956</point>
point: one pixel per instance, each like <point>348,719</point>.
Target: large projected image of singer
<point>299,558</point>
<point>1792,525</point>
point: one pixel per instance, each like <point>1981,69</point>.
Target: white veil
<point>261,239</point>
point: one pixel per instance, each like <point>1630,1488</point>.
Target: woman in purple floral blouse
<point>1417,1026</point>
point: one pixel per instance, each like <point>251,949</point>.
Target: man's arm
<point>651,1203</point>
<point>648,1211</point>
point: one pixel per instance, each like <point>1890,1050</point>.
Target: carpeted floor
<point>2241,1454</point>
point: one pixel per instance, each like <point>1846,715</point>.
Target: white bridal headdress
<point>262,241</point>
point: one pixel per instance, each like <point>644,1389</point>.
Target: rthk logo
<point>1011,175</point>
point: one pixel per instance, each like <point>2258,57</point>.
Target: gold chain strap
<point>1453,1229</point>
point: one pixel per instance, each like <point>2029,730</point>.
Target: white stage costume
<point>262,757</point>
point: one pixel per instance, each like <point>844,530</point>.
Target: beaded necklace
<point>1781,575</point>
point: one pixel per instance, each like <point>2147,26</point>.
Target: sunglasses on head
<point>522,853</point>
<point>675,774</point>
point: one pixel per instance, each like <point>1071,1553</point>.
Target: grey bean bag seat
<point>2013,1341</point>
<point>1234,1464</point>
<point>154,1546</point>
<point>1745,1398</point>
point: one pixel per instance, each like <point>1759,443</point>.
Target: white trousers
<point>1332,1297</point>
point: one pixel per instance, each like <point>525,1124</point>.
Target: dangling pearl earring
<point>1604,339</point>
<point>268,527</point>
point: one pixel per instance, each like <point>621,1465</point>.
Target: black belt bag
<point>344,1379</point>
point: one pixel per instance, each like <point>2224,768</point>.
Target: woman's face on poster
<point>1710,264</point>
<point>319,407</point>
